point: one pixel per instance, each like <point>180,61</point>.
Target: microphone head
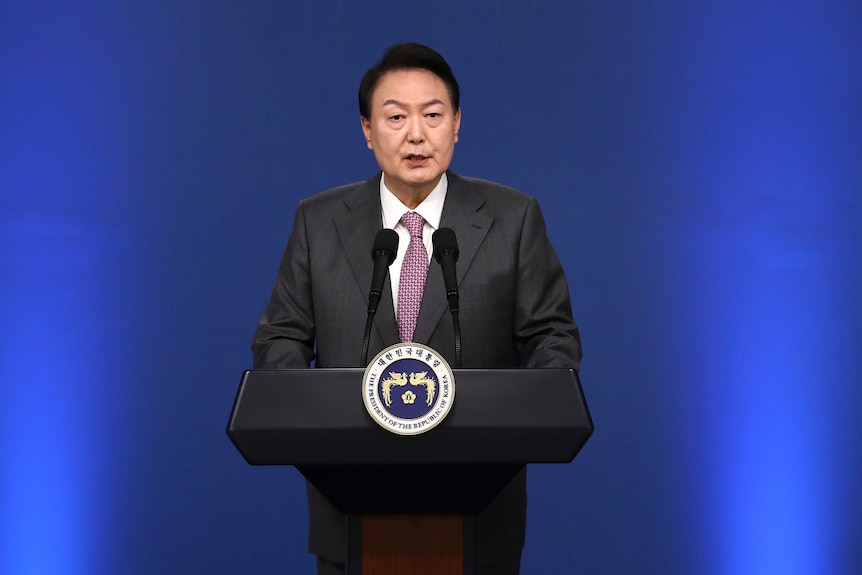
<point>385,243</point>
<point>445,243</point>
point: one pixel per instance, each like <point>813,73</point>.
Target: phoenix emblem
<point>401,379</point>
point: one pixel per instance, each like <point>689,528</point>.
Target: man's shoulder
<point>488,190</point>
<point>340,194</point>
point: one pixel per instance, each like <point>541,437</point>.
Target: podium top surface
<point>500,416</point>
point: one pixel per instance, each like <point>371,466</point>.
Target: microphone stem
<point>457,325</point>
<point>367,337</point>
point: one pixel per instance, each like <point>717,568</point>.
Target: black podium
<point>501,420</point>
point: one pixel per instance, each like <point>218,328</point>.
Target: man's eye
<point>396,117</point>
<point>434,115</point>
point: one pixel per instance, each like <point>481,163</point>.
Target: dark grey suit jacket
<point>514,309</point>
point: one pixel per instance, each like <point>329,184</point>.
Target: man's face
<point>412,131</point>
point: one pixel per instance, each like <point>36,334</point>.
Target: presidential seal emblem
<point>408,388</point>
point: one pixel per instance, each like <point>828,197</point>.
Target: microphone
<point>446,254</point>
<point>383,253</point>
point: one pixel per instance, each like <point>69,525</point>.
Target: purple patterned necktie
<point>414,269</point>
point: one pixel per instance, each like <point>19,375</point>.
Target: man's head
<point>407,56</point>
<point>410,119</point>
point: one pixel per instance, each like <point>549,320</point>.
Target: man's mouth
<point>416,158</point>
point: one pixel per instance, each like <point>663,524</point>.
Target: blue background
<point>700,169</point>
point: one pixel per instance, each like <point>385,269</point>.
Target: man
<point>514,300</point>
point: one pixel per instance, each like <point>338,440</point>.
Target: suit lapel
<point>356,228</point>
<point>460,212</point>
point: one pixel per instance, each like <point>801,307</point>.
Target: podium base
<point>415,544</point>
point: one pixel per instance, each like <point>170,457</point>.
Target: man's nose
<point>415,130</point>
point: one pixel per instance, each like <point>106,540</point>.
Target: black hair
<point>407,56</point>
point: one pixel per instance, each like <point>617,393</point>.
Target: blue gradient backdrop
<point>700,167</point>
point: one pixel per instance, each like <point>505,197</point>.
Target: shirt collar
<point>431,208</point>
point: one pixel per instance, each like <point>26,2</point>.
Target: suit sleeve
<point>285,334</point>
<point>545,332</point>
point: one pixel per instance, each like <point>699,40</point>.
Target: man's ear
<point>366,129</point>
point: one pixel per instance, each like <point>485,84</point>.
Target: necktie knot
<point>414,224</point>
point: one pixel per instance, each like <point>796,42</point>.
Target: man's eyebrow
<point>393,102</point>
